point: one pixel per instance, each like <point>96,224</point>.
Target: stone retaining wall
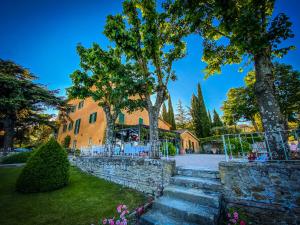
<point>145,175</point>
<point>269,193</point>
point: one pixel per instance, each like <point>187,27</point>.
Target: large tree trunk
<point>8,127</point>
<point>153,111</point>
<point>153,125</point>
<point>110,126</point>
<point>273,122</point>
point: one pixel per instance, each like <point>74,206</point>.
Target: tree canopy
<point>22,101</point>
<point>108,81</point>
<point>148,38</point>
<point>241,102</point>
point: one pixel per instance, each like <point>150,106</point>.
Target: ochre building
<point>89,124</point>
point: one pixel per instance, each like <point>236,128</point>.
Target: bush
<point>21,157</point>
<point>46,170</point>
<point>67,141</point>
<point>171,149</point>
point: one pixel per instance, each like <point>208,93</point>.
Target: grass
<point>85,201</point>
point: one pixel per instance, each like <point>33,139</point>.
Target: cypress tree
<point>217,121</point>
<point>171,118</point>
<point>209,118</point>
<point>199,115</point>
<point>164,113</point>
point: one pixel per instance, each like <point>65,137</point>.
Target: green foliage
<point>22,101</point>
<point>168,148</point>
<point>182,118</point>
<point>171,118</point>
<point>249,26</point>
<point>164,112</point>
<point>236,146</point>
<point>21,157</point>
<point>163,135</point>
<point>153,43</point>
<point>199,115</point>
<point>66,142</point>
<point>110,82</point>
<point>46,170</point>
<point>241,102</point>
<point>216,120</point>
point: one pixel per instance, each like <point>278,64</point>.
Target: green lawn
<point>84,201</point>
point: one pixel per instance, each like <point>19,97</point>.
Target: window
<point>73,109</point>
<point>70,127</point>
<point>93,117</point>
<point>80,105</point>
<point>77,126</point>
<point>141,121</point>
<point>121,118</point>
<point>65,128</point>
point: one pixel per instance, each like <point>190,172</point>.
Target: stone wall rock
<point>268,193</point>
<point>145,175</point>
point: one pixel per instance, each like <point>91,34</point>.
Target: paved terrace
<point>199,161</point>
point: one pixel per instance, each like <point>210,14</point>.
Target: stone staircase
<point>193,197</point>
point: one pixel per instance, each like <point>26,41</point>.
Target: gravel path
<point>199,161</point>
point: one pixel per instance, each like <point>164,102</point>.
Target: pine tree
<point>181,117</point>
<point>171,118</point>
<point>217,121</point>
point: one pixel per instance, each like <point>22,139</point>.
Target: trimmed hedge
<point>21,157</point>
<point>46,170</point>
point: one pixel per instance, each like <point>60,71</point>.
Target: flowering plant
<point>234,217</point>
<point>121,218</point>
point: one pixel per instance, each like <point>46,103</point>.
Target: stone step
<point>196,182</point>
<point>186,211</point>
<point>193,195</point>
<point>155,217</point>
<point>201,173</point>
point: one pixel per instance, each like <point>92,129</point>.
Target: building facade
<point>88,124</point>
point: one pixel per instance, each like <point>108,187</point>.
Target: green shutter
<point>70,126</point>
<point>121,118</point>
<point>141,121</point>
<point>77,126</point>
<point>95,117</point>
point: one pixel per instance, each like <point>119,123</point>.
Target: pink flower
<point>124,207</point>
<point>104,221</point>
<point>242,222</point>
<point>124,222</point>
<point>123,214</point>
<point>235,215</point>
<point>233,221</point>
<point>111,222</point>
<point>119,208</point>
<point>118,222</point>
<point>228,215</point>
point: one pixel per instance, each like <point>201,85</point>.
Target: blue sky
<point>42,36</point>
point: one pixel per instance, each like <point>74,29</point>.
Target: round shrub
<point>21,157</point>
<point>46,170</point>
